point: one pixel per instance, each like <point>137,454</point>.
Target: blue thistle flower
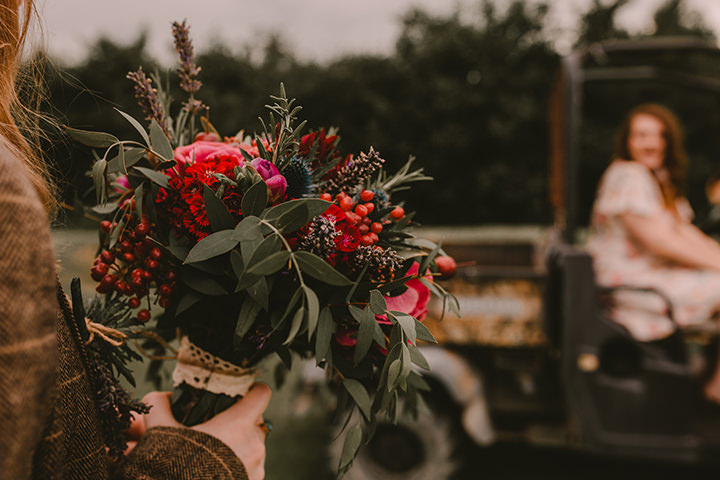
<point>299,177</point>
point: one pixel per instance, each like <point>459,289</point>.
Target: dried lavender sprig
<point>187,71</point>
<point>382,263</point>
<point>354,173</point>
<point>147,98</point>
<point>320,238</point>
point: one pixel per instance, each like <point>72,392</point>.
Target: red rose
<point>201,151</point>
<point>413,301</point>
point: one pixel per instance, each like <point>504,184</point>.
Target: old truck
<point>535,356</point>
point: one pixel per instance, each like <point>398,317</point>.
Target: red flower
<point>413,301</point>
<point>349,239</point>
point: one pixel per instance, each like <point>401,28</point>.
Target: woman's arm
<point>681,243</point>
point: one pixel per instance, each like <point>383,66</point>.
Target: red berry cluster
<point>357,213</point>
<point>133,266</point>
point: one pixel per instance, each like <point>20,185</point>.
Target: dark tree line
<point>467,96</point>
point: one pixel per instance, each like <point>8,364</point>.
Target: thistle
<point>147,98</point>
<point>354,173</point>
<point>381,263</point>
<point>320,238</point>
<point>298,176</point>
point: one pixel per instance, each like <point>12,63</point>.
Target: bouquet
<point>245,246</point>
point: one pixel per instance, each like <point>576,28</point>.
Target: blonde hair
<point>19,117</point>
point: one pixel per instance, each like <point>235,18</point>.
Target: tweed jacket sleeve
<point>49,423</point>
<point>28,352</point>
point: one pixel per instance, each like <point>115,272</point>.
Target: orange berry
<point>346,203</point>
<point>376,227</point>
<point>354,218</point>
<point>397,213</point>
<point>373,236</point>
<point>366,240</point>
<point>361,210</point>
<point>367,195</point>
<point>326,196</point>
<point>364,229</point>
<point>367,221</point>
<point>370,207</point>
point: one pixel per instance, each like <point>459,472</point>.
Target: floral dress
<point>629,187</point>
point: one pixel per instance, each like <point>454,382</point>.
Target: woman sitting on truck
<point>641,234</point>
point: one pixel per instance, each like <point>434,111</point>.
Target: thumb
<point>248,408</point>
<point>160,413</point>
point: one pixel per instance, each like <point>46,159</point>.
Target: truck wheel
<point>419,449</point>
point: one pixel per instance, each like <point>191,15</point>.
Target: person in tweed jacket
<point>50,427</point>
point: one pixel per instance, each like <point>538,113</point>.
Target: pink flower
<point>276,183</point>
<point>413,301</point>
<point>202,150</point>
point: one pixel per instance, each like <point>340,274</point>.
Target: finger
<point>130,446</point>
<point>251,406</point>
<point>160,413</point>
<point>137,426</point>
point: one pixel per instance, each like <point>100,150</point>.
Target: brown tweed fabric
<point>49,426</point>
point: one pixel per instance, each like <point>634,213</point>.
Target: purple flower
<point>276,183</point>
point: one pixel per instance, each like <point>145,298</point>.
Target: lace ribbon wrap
<point>205,371</point>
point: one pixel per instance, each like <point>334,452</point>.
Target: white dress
<point>630,187</point>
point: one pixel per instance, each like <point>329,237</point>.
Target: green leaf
<point>360,395</point>
<point>270,244</point>
<point>156,177</point>
<point>407,322</point>
<point>115,235</point>
<point>377,302</point>
<point>254,199</point>
<point>160,142</point>
<point>430,257</point>
<point>98,173</point>
<point>137,126</point>
<point>139,200</point>
<point>418,358</point>
<point>319,269</point>
<point>325,329</point>
<point>312,305</point>
<point>350,447</point>
<point>248,229</point>
<point>188,300</point>
<point>260,292</point>
<point>366,331</point>
<point>314,206</point>
<point>105,208</point>
<point>127,159</point>
<point>355,285</point>
<point>294,300</point>
<point>292,220</point>
<point>211,246</point>
<point>394,374</point>
<point>246,317</point>
<point>92,139</point>
<point>202,282</point>
<point>295,325</point>
<point>406,364</point>
<point>423,333</point>
<point>271,264</point>
<point>219,216</point>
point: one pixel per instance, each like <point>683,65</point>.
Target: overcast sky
<point>314,29</point>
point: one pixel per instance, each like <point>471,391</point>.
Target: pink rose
<point>276,183</point>
<point>202,150</point>
<point>413,301</point>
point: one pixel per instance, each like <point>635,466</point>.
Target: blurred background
<point>462,85</point>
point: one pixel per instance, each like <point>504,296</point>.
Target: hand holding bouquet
<point>245,246</point>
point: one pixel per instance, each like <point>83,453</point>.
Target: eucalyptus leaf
<point>92,139</point>
<point>202,282</point>
<point>160,142</point>
<point>294,219</point>
<point>246,317</point>
<point>98,173</point>
<point>155,176</point>
<point>260,292</point>
<point>394,374</point>
<point>218,214</point>
<point>315,207</point>
<point>418,358</point>
<point>139,200</point>
<point>325,330</point>
<point>312,305</point>
<point>105,208</point>
<point>269,245</point>
<point>294,300</point>
<point>254,199</point>
<point>295,325</point>
<point>377,302</point>
<point>360,395</point>
<point>137,126</point>
<point>423,333</point>
<point>353,440</point>
<point>129,158</point>
<point>188,300</point>
<point>430,257</point>
<point>248,229</point>
<point>271,264</point>
<point>366,331</point>
<point>211,246</point>
<point>407,322</point>
<point>319,269</point>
